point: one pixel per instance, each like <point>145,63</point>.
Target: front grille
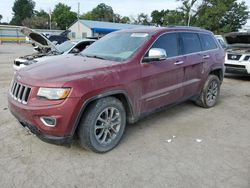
<point>235,66</point>
<point>20,92</point>
<point>234,57</point>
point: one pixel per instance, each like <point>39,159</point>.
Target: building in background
<point>87,28</point>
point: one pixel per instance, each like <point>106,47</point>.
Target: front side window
<point>116,46</point>
<point>190,43</point>
<point>168,42</point>
<point>207,42</point>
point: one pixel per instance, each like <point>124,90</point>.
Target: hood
<point>65,33</point>
<point>238,39</point>
<point>64,68</point>
<point>38,38</point>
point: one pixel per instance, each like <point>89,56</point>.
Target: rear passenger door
<point>162,80</point>
<point>192,62</point>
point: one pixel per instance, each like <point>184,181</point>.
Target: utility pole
<point>49,19</point>
<point>78,12</point>
<point>78,17</point>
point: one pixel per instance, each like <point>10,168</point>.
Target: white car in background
<point>46,49</point>
<point>221,41</point>
<point>237,58</point>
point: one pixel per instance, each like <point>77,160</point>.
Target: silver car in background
<point>46,49</point>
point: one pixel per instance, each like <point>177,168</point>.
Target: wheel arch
<point>119,94</point>
<point>218,72</point>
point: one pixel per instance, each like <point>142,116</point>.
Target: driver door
<point>162,80</point>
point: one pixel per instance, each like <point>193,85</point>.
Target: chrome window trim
<point>197,32</point>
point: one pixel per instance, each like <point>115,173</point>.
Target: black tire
<point>90,127</point>
<point>209,91</point>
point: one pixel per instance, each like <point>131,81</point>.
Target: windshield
<point>116,46</point>
<point>65,46</point>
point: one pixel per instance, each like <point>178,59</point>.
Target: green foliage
<point>102,12</point>
<point>125,19</point>
<point>63,16</point>
<point>105,13</point>
<point>222,16</point>
<point>142,19</point>
<point>22,9</point>
<point>219,16</point>
<point>41,13</point>
<point>40,20</point>
<point>167,17</point>
<point>187,10</point>
<point>36,22</point>
<point>1,17</point>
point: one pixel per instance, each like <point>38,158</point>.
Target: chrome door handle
<point>205,56</point>
<point>179,62</point>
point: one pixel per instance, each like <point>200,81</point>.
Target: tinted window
<point>190,43</point>
<point>207,42</point>
<point>169,43</point>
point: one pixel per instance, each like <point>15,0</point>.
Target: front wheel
<point>102,127</point>
<point>210,92</point>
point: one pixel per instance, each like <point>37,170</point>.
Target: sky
<point>124,8</point>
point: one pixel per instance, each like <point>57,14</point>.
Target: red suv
<point>119,79</point>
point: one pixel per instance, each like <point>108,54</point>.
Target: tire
<point>210,92</point>
<point>102,126</point>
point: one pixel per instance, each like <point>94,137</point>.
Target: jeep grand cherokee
<point>118,80</point>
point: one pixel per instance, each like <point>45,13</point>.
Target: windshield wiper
<point>94,56</point>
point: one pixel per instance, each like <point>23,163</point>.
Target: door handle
<point>205,56</point>
<point>179,62</point>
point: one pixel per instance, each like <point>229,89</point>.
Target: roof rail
<point>179,26</point>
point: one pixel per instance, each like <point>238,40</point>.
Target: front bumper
<point>29,117</point>
<point>47,138</point>
<point>237,67</point>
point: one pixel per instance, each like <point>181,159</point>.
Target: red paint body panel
<point>148,85</point>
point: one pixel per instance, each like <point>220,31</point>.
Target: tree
<point>142,19</point>
<point>125,20</point>
<point>41,13</point>
<point>40,20</point>
<point>187,9</point>
<point>222,16</point>
<point>158,17</point>
<point>63,15</point>
<point>1,17</point>
<point>22,9</point>
<point>167,17</point>
<point>102,12</point>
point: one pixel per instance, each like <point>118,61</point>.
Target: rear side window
<point>190,43</point>
<point>167,42</point>
<point>207,42</point>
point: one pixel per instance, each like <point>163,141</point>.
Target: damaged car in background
<point>238,53</point>
<point>46,49</point>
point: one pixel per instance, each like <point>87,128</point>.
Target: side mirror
<point>75,51</point>
<point>155,54</point>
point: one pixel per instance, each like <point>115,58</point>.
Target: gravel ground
<point>185,146</point>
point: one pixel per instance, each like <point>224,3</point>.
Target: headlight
<point>53,93</point>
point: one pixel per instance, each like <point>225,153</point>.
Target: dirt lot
<point>145,156</point>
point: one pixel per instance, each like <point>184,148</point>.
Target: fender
<point>105,94</point>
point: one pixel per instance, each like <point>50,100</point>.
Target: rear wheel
<point>210,92</point>
<point>102,127</point>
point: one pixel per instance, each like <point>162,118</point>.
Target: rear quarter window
<point>190,43</point>
<point>207,42</point>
